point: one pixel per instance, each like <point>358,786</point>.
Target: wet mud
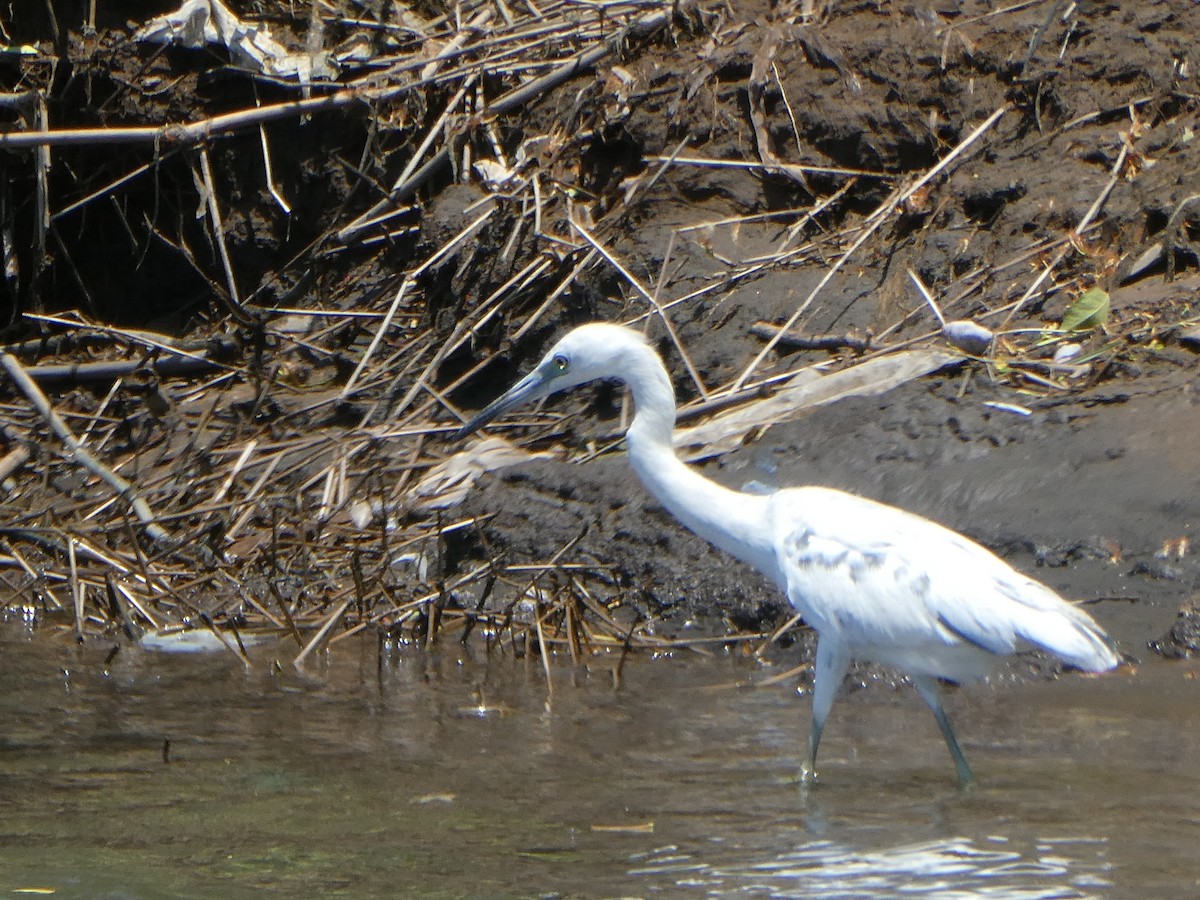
<point>1093,489</point>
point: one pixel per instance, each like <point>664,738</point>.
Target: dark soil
<point>1096,490</point>
<point>1094,484</point>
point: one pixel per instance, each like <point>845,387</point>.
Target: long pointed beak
<point>531,387</point>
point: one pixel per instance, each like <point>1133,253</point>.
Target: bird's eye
<point>561,363</point>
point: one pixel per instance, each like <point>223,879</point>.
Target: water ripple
<point>949,869</point>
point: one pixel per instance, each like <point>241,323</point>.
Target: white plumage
<point>876,583</point>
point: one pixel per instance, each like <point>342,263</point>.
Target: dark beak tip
<point>516,396</point>
<point>472,425</point>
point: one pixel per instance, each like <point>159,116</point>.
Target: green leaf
<point>1090,310</point>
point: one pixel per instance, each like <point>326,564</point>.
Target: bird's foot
<point>966,778</point>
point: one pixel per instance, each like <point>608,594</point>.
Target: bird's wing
<point>884,578</point>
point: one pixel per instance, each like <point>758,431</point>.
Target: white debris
<point>1014,408</point>
<point>1066,353</point>
<point>967,336</point>
<point>199,23</point>
<point>447,483</point>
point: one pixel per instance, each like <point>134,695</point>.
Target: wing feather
<point>895,584</point>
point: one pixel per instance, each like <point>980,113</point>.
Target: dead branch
<point>123,489</point>
<point>581,62</point>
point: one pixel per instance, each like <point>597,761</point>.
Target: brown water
<point>456,775</point>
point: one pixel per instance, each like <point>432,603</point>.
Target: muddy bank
<point>335,285</point>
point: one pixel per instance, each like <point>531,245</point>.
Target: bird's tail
<point>1073,636</point>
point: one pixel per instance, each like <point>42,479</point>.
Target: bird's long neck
<point>734,521</point>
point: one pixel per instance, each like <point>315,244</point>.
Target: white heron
<point>877,583</point>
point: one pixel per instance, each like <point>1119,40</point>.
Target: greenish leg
<point>928,690</point>
<point>832,663</point>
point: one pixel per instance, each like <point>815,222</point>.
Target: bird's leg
<point>832,663</point>
<point>928,689</point>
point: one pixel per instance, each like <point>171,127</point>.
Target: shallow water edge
<point>455,774</point>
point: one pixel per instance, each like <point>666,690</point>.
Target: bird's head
<point>592,351</point>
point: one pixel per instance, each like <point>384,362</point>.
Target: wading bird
<point>877,583</point>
